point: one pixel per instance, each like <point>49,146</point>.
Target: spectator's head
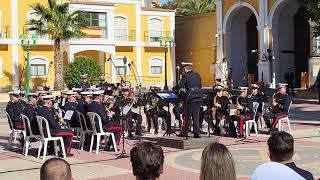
<point>280,145</point>
<point>55,169</point>
<point>217,163</point>
<point>147,161</point>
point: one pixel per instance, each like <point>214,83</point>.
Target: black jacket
<point>48,113</point>
<point>191,81</point>
<point>14,109</point>
<point>100,110</point>
<point>305,174</point>
<point>30,112</point>
<point>247,103</point>
<point>283,101</point>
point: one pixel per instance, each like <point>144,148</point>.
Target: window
<point>121,68</point>
<point>155,29</point>
<point>156,66</point>
<point>38,67</point>
<point>121,28</point>
<point>95,19</point>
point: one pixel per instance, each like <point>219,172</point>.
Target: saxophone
<point>273,103</point>
<point>238,106</point>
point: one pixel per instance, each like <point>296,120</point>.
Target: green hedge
<point>82,65</point>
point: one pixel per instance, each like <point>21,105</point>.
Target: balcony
<point>42,39</point>
<point>5,34</point>
<point>95,32</point>
<point>151,38</point>
<point>124,35</point>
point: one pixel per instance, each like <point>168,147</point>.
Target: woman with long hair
<point>217,163</point>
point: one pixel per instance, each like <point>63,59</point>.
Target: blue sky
<point>164,1</point>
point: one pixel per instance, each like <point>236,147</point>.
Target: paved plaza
<point>179,164</point>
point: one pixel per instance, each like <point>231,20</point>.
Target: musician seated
<point>156,110</point>
<point>47,112</point>
<point>14,109</point>
<point>21,98</point>
<point>126,99</point>
<point>63,99</point>
<point>72,105</point>
<point>40,99</point>
<point>96,106</point>
<point>221,105</point>
<point>30,112</point>
<point>280,107</point>
<point>259,97</point>
<point>244,108</point>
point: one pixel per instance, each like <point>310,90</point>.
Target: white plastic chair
<point>85,130</point>
<point>44,140</point>
<point>284,120</point>
<point>92,117</point>
<point>13,132</point>
<point>247,127</point>
<point>27,127</point>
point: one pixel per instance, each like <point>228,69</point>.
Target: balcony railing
<point>153,36</point>
<point>146,81</point>
<point>28,32</point>
<point>4,32</point>
<point>95,32</point>
<point>124,35</point>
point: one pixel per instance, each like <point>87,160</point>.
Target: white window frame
<point>162,65</point>
<point>149,28</point>
<point>1,67</point>
<point>41,60</point>
<point>120,63</point>
<point>127,25</point>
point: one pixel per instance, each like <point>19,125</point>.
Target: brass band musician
<point>221,107</point>
<point>280,107</point>
<point>127,99</point>
<point>244,109</point>
<point>155,110</point>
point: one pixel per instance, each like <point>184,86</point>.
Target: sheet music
<point>126,109</point>
<point>68,115</point>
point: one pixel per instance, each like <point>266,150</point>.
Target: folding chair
<point>284,120</point>
<point>247,127</point>
<point>27,127</point>
<point>92,117</point>
<point>44,140</point>
<point>85,130</point>
<point>13,132</point>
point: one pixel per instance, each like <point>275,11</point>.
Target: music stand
<point>168,96</point>
<point>124,112</point>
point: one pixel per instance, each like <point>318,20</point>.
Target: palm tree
<point>56,21</point>
<point>192,7</point>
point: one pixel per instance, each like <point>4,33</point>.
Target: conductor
<point>191,82</point>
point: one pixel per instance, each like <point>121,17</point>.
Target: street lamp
<point>28,43</point>
<point>166,43</point>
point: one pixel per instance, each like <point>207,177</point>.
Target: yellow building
<point>256,39</point>
<point>116,27</point>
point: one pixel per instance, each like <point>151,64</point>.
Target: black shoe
<point>138,134</point>
<point>130,135</point>
<point>196,136</point>
<point>67,154</point>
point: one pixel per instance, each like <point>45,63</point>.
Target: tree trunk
<point>58,66</point>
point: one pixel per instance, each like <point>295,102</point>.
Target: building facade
<point>257,40</point>
<point>116,28</point>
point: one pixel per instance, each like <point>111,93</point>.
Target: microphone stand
<point>118,73</point>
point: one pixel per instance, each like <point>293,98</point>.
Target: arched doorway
<point>242,38</point>
<point>291,40</point>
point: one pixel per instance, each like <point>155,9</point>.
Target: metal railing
<point>153,36</point>
<point>124,35</point>
<point>4,32</point>
<point>146,81</point>
<point>28,32</point>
